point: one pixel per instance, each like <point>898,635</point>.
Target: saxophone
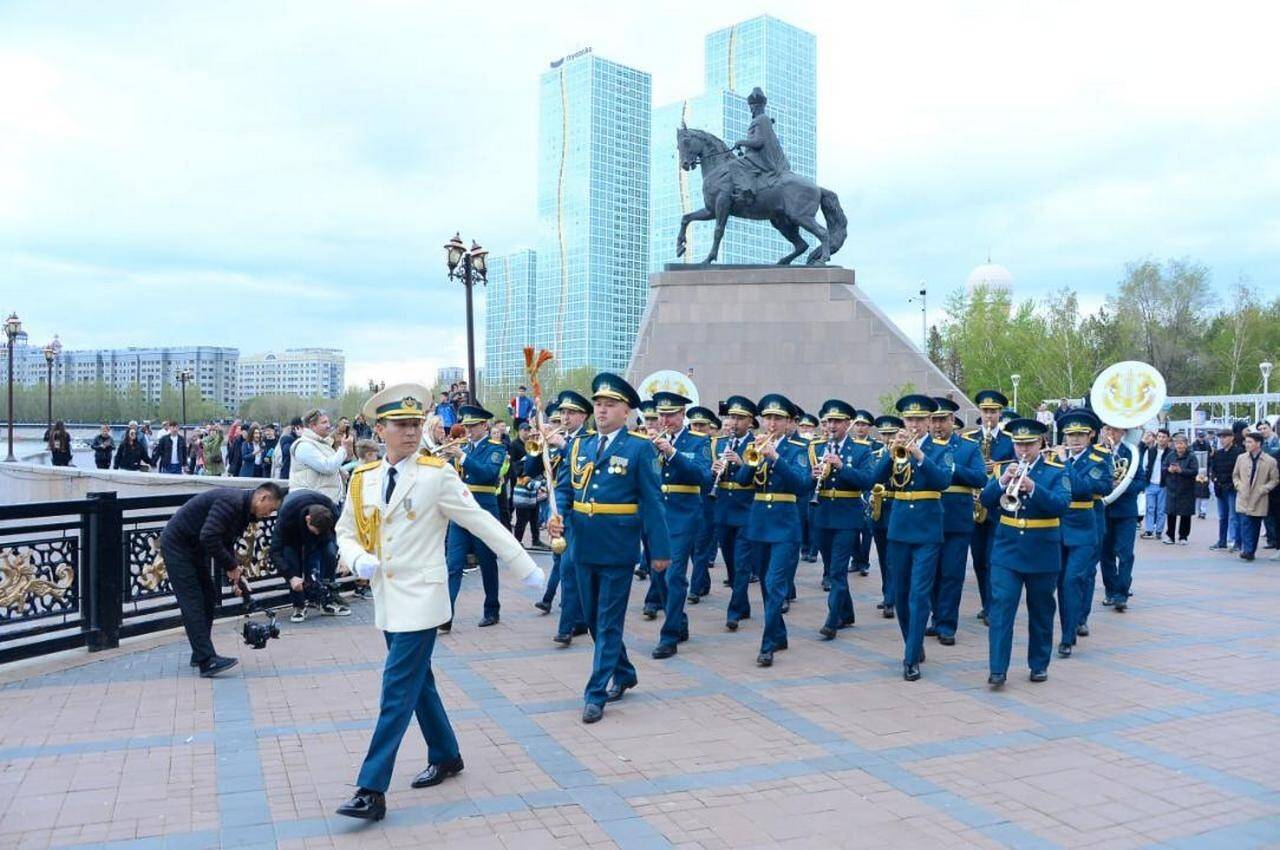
<point>979,509</point>
<point>877,501</point>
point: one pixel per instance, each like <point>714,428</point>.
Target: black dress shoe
<point>982,616</point>
<point>827,633</point>
<point>693,599</point>
<point>1109,601</point>
<point>445,628</point>
<point>731,625</point>
<point>947,640</point>
<point>887,613</point>
<point>1039,675</point>
<point>437,773</point>
<point>193,661</point>
<point>826,587</point>
<point>849,622</point>
<point>930,631</point>
<point>911,672</point>
<point>664,650</point>
<point>544,607</point>
<point>217,664</point>
<point>488,621</point>
<point>366,805</point>
<point>1245,557</point>
<point>996,680</point>
<point>764,659</point>
<point>862,571</point>
<point>683,637</point>
<point>1121,605</point>
<point>616,692</point>
<point>922,658</point>
<point>650,613</point>
<point>1082,630</point>
<point>1064,650</point>
<point>727,583</point>
<point>563,640</point>
<point>786,606</point>
<point>591,713</point>
<point>880,605</point>
<point>780,647</point>
<point>579,631</point>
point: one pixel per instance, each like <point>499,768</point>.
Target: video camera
<point>256,634</point>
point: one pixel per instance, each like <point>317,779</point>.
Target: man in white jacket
<point>392,532</point>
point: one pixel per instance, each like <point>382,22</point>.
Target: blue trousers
<point>1228,520</point>
<point>571,616</point>
<point>984,536</point>
<point>808,540</point>
<point>949,581</point>
<point>1006,593</point>
<point>320,562</point>
<point>604,590</point>
<point>704,555</point>
<point>458,544</point>
<point>777,566</point>
<point>408,689</point>
<point>888,595</point>
<point>746,563</point>
<point>914,567</point>
<point>1250,528</point>
<point>836,545</point>
<point>862,547</point>
<point>655,598</point>
<point>553,580</point>
<point>675,582</point>
<point>1073,583</point>
<point>1155,509</point>
<point>1117,557</point>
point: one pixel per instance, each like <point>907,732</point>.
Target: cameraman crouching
<point>206,529</point>
<point>304,549</point>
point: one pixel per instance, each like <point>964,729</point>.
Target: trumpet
<point>537,444</point>
<point>825,470</point>
<point>753,454</point>
<point>901,454</point>
<point>1011,499</point>
<point>900,451</point>
<point>456,437</point>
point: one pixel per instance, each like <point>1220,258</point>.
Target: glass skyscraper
<point>510,308</point>
<point>593,210</point>
<point>782,60</point>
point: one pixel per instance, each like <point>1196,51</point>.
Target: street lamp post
<point>1017,379</point>
<point>184,375</point>
<point>376,386</point>
<point>12,327</point>
<point>51,352</point>
<point>468,267</point>
<point>1265,366</point>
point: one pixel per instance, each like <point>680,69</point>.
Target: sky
<point>284,174</point>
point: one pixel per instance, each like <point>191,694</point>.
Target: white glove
<point>366,566</point>
<point>536,579</point>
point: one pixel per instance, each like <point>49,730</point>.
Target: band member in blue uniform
<point>654,598</point>
<point>685,461</point>
<point>1089,474</point>
<point>733,507</point>
<point>533,466</point>
<point>779,470</point>
<point>841,470</point>
<point>614,483</point>
<point>1122,524</point>
<point>968,476</point>
<point>913,465</point>
<point>573,410</point>
<point>880,509</point>
<point>994,445</point>
<point>704,422</point>
<point>863,537</point>
<point>1090,582</point>
<point>1028,496</point>
<point>805,432</point>
<point>478,463</point>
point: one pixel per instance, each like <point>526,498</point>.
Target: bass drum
<point>1127,395</point>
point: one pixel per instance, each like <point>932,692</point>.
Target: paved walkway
<point>1164,729</point>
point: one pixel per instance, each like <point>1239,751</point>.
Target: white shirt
<point>1157,468</point>
<point>173,449</point>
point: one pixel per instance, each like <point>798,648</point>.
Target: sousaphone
<point>1127,395</point>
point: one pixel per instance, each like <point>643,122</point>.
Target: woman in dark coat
<point>60,444</point>
<point>1180,471</point>
<point>131,455</point>
<point>252,454</point>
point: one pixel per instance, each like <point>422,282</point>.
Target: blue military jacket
<point>610,502</point>
<point>480,468</point>
<point>779,485</point>
<point>886,502</point>
<point>1126,504</point>
<point>685,475</point>
<point>1030,540</point>
<point>733,500</point>
<point>963,457</point>
<point>1090,477</point>
<point>917,512</point>
<point>536,465</point>
<point>1001,444</point>
<point>840,494</point>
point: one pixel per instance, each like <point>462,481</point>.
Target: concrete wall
<point>31,482</point>
<point>807,332</point>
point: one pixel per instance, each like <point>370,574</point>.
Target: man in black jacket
<point>1222,464</point>
<point>205,530</point>
<point>171,450</point>
<point>304,549</point>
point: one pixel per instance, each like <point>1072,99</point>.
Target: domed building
<point>995,277</point>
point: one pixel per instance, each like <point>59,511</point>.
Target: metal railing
<point>88,572</point>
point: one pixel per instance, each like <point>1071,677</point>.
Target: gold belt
<point>483,488</point>
<point>960,488</point>
<point>681,488</point>
<point>1022,522</point>
<point>775,497</point>
<point>590,508</point>
<point>840,494</point>
<point>734,485</point>
<point>1082,506</point>
<point>916,495</point>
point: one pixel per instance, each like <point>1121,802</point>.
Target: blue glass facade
<point>782,60</point>
<point>593,210</point>
<point>510,307</point>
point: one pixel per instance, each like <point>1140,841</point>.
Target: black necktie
<point>600,446</point>
<point>391,483</point>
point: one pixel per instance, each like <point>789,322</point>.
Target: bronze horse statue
<point>790,203</point>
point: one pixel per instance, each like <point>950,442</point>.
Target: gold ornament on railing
<point>154,573</point>
<point>18,581</point>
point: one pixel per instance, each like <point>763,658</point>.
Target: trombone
<point>753,454</point>
<point>537,444</point>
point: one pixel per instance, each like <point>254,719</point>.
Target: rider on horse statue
<point>762,157</point>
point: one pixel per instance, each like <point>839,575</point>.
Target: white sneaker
<point>1182,543</point>
<point>334,609</point>
<point>299,615</point>
<point>1168,541</point>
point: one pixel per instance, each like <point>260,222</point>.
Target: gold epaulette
<point>1095,457</point>
<point>644,435</point>
<point>968,436</point>
<point>861,441</point>
<point>1103,449</point>
<point>1054,462</point>
<point>430,460</point>
<point>970,432</point>
<point>799,441</point>
<point>496,441</point>
<point>365,467</point>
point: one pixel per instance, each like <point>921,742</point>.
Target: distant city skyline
<point>182,174</point>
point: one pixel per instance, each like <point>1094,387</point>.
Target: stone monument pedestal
<point>805,331</point>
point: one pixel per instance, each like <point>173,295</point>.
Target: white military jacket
<point>406,536</point>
